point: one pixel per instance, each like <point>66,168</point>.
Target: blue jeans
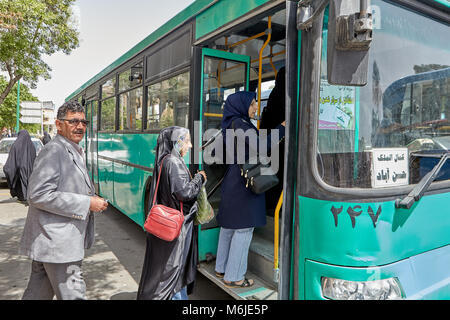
<point>181,295</point>
<point>232,253</point>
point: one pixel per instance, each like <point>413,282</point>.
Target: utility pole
<point>18,107</point>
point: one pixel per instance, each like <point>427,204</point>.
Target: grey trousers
<point>65,280</point>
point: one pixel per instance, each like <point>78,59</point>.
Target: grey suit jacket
<point>59,225</point>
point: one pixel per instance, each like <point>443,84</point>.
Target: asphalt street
<point>111,268</point>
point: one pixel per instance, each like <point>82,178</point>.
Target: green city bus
<point>363,211</point>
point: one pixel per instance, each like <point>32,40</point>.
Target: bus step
<point>259,291</point>
<point>260,259</point>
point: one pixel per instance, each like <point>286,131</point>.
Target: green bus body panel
<point>443,2</point>
<point>208,241</point>
<point>421,277</point>
<point>397,234</point>
<point>222,13</point>
<point>122,184</point>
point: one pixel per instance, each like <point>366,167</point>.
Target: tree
<point>9,105</point>
<point>43,28</point>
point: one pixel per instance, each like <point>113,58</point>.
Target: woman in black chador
<point>19,165</point>
<point>170,267</point>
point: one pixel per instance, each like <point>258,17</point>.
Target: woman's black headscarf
<point>19,165</point>
<point>236,107</point>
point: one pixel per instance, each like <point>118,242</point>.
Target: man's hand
<point>98,204</point>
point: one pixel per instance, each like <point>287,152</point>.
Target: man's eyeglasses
<point>76,122</point>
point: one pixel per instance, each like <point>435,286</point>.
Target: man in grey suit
<point>60,220</point>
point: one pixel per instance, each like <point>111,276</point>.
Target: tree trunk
<point>8,88</point>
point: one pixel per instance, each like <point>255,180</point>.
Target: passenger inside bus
<point>273,115</point>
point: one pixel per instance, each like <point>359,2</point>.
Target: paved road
<point>112,267</point>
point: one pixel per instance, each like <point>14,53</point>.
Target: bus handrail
<point>276,237</point>
<point>269,36</point>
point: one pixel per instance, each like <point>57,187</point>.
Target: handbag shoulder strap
<point>157,185</point>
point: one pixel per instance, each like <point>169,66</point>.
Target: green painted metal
<point>443,2</point>
<point>396,235</point>
<point>129,181</point>
<point>226,55</point>
<point>365,252</point>
<point>301,271</point>
<point>123,185</point>
<point>207,242</point>
<point>223,12</point>
<point>424,276</point>
<point>105,167</point>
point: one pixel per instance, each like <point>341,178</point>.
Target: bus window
<point>109,88</point>
<point>168,103</point>
<point>130,110</point>
<point>107,115</point>
<point>220,79</point>
<point>404,108</point>
<point>131,77</point>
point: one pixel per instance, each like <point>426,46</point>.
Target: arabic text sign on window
<point>390,167</point>
<point>336,107</point>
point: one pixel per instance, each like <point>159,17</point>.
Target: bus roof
<point>192,11</point>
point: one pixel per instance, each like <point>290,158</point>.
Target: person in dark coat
<point>275,113</point>
<point>272,115</point>
<point>170,266</point>
<point>240,210</point>
<point>19,165</point>
<point>46,138</point>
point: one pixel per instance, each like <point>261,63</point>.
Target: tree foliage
<point>45,27</point>
<point>9,105</point>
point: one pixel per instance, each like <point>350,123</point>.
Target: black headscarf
<point>19,165</point>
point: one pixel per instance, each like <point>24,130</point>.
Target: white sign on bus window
<point>390,167</point>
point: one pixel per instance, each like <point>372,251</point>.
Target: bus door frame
<point>207,239</point>
<point>289,274</point>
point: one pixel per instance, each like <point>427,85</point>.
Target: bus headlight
<point>337,289</point>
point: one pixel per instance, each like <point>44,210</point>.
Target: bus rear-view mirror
<point>349,38</point>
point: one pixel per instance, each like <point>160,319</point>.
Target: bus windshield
<point>376,136</point>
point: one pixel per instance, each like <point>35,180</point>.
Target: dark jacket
<point>19,165</point>
<point>239,207</point>
<point>275,113</point>
<point>46,138</point>
<point>170,266</point>
<point>272,115</point>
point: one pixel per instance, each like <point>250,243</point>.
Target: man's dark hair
<point>70,106</point>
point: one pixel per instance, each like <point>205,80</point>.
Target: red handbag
<point>162,221</point>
